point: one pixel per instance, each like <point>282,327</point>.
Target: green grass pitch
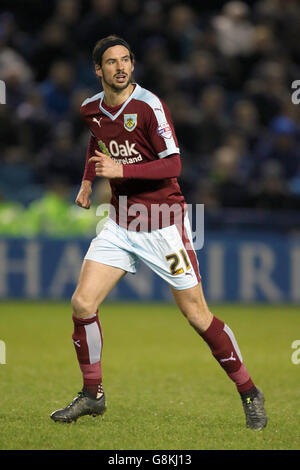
<point>164,389</point>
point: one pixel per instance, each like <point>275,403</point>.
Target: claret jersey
<point>138,131</point>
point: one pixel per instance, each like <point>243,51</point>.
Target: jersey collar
<point>114,116</point>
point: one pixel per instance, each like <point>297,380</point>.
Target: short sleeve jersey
<point>138,131</point>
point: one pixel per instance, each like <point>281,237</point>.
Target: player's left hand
<point>106,167</point>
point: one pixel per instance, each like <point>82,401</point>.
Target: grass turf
<point>164,389</point>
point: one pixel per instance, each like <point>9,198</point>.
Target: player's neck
<point>114,98</point>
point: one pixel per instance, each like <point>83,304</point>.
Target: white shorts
<point>166,251</point>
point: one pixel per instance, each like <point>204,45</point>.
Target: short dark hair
<point>104,43</point>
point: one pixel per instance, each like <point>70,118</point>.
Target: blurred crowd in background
<point>225,71</point>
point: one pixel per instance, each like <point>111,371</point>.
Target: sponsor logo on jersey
<point>164,130</point>
<point>128,161</point>
<point>130,122</point>
<point>124,150</point>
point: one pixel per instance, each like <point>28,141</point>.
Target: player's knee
<point>82,306</point>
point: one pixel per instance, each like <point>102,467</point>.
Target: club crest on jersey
<point>164,130</point>
<point>130,122</point>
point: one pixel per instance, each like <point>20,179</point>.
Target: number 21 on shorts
<point>175,258</point>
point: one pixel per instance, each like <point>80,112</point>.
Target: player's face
<point>116,70</point>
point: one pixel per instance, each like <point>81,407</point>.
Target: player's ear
<point>98,70</point>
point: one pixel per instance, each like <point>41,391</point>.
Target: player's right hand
<point>83,196</point>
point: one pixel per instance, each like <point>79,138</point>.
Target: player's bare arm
<point>105,166</point>
<point>83,198</point>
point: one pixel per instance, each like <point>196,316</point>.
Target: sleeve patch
<point>164,130</point>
